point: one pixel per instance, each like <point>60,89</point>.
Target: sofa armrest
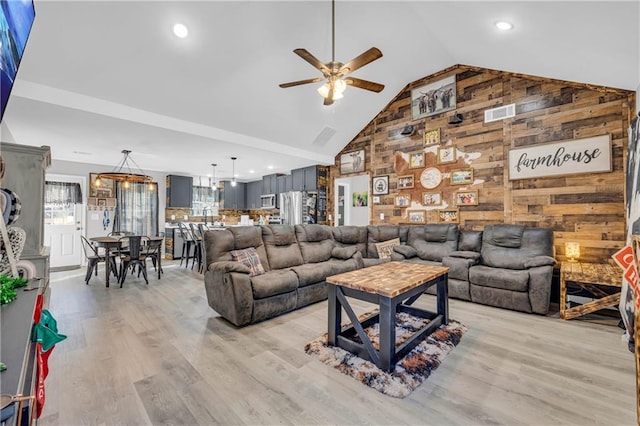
<point>459,266</point>
<point>534,262</point>
<point>540,278</point>
<point>473,255</point>
<point>405,251</point>
<point>229,266</point>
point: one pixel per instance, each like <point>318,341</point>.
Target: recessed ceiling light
<point>180,30</point>
<point>252,171</point>
<point>270,167</point>
<point>504,25</point>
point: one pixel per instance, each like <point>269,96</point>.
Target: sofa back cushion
<point>220,243</point>
<point>382,233</point>
<point>433,241</point>
<point>347,236</point>
<point>470,241</point>
<point>315,241</point>
<point>510,246</point>
<point>281,246</point>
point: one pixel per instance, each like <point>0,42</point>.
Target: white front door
<point>62,231</point>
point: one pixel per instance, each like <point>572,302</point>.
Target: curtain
<point>136,209</point>
<point>62,193</point>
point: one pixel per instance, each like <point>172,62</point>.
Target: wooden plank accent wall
<point>586,208</point>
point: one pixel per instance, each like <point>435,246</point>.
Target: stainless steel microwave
<point>268,201</point>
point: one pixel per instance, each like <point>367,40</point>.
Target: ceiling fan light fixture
<point>339,87</point>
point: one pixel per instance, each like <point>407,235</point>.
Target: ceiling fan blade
<point>304,54</point>
<point>299,82</point>
<point>329,99</point>
<point>361,60</point>
<point>364,84</point>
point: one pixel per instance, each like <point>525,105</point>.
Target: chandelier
<point>123,172</point>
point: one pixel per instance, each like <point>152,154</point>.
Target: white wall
<point>357,184</point>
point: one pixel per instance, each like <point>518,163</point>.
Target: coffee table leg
<point>443,298</point>
<point>335,315</point>
<point>387,334</point>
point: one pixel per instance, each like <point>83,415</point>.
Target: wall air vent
<point>500,113</point>
<point>324,136</point>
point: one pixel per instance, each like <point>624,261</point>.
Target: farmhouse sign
<point>590,155</point>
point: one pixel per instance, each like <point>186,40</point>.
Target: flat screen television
<point>16,19</point>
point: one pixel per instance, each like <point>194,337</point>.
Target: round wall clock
<point>430,178</point>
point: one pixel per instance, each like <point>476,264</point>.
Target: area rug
<point>410,372</point>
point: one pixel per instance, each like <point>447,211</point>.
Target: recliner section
<point>507,266</point>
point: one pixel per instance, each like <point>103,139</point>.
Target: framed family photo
<point>416,216</point>
<point>448,216</point>
<point>432,198</point>
<point>405,182</point>
<point>380,185</point>
<point>462,177</point>
<point>431,137</point>
<point>433,98</point>
<point>403,200</point>
<point>467,198</point>
<point>446,154</point>
<point>416,160</point>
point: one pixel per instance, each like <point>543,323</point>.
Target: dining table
<point>113,243</point>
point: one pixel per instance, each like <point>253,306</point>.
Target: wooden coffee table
<point>590,277</point>
<point>394,287</point>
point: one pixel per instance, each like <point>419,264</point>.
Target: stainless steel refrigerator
<point>298,207</point>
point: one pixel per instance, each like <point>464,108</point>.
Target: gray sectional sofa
<point>507,266</point>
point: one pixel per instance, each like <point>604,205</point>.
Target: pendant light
<point>214,184</point>
<point>233,178</point>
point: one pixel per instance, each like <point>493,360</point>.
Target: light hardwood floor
<point>158,354</point>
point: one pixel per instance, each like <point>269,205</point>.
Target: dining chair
<point>94,258</point>
<point>131,255</point>
<point>188,242</point>
<point>153,251</point>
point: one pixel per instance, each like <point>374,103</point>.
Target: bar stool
<point>197,236</point>
<point>188,241</point>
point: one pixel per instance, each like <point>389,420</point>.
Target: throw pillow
<point>343,252</point>
<point>407,251</point>
<point>249,257</point>
<point>385,248</point>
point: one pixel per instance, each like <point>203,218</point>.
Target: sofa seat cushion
<point>339,266</point>
<point>423,262</point>
<point>312,273</point>
<point>367,261</point>
<point>507,279</point>
<point>274,282</point>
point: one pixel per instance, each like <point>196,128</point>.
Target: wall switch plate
<point>381,216</point>
<point>376,200</point>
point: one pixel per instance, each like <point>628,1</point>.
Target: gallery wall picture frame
<point>462,177</point>
<point>360,199</point>
<point>432,198</point>
<point>433,98</point>
<point>449,216</point>
<point>403,200</point>
<point>431,137</point>
<point>466,198</point>
<point>405,182</point>
<point>417,216</point>
<point>380,185</point>
<point>446,154</point>
<point>352,162</point>
<point>416,160</point>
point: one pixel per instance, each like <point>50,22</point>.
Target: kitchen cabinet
<point>254,191</point>
<point>309,178</point>
<point>285,183</point>
<point>179,191</point>
<point>270,184</point>
<point>233,197</point>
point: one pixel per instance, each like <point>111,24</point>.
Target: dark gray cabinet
<point>305,179</point>
<point>233,197</point>
<point>254,191</point>
<point>179,191</point>
<point>270,184</point>
<point>285,184</point>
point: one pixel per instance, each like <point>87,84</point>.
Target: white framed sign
<point>570,157</point>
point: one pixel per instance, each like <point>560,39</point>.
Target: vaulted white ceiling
<point>99,77</point>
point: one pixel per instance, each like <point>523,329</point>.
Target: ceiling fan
<point>335,72</point>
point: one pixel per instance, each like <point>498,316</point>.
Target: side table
<point>589,276</point>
